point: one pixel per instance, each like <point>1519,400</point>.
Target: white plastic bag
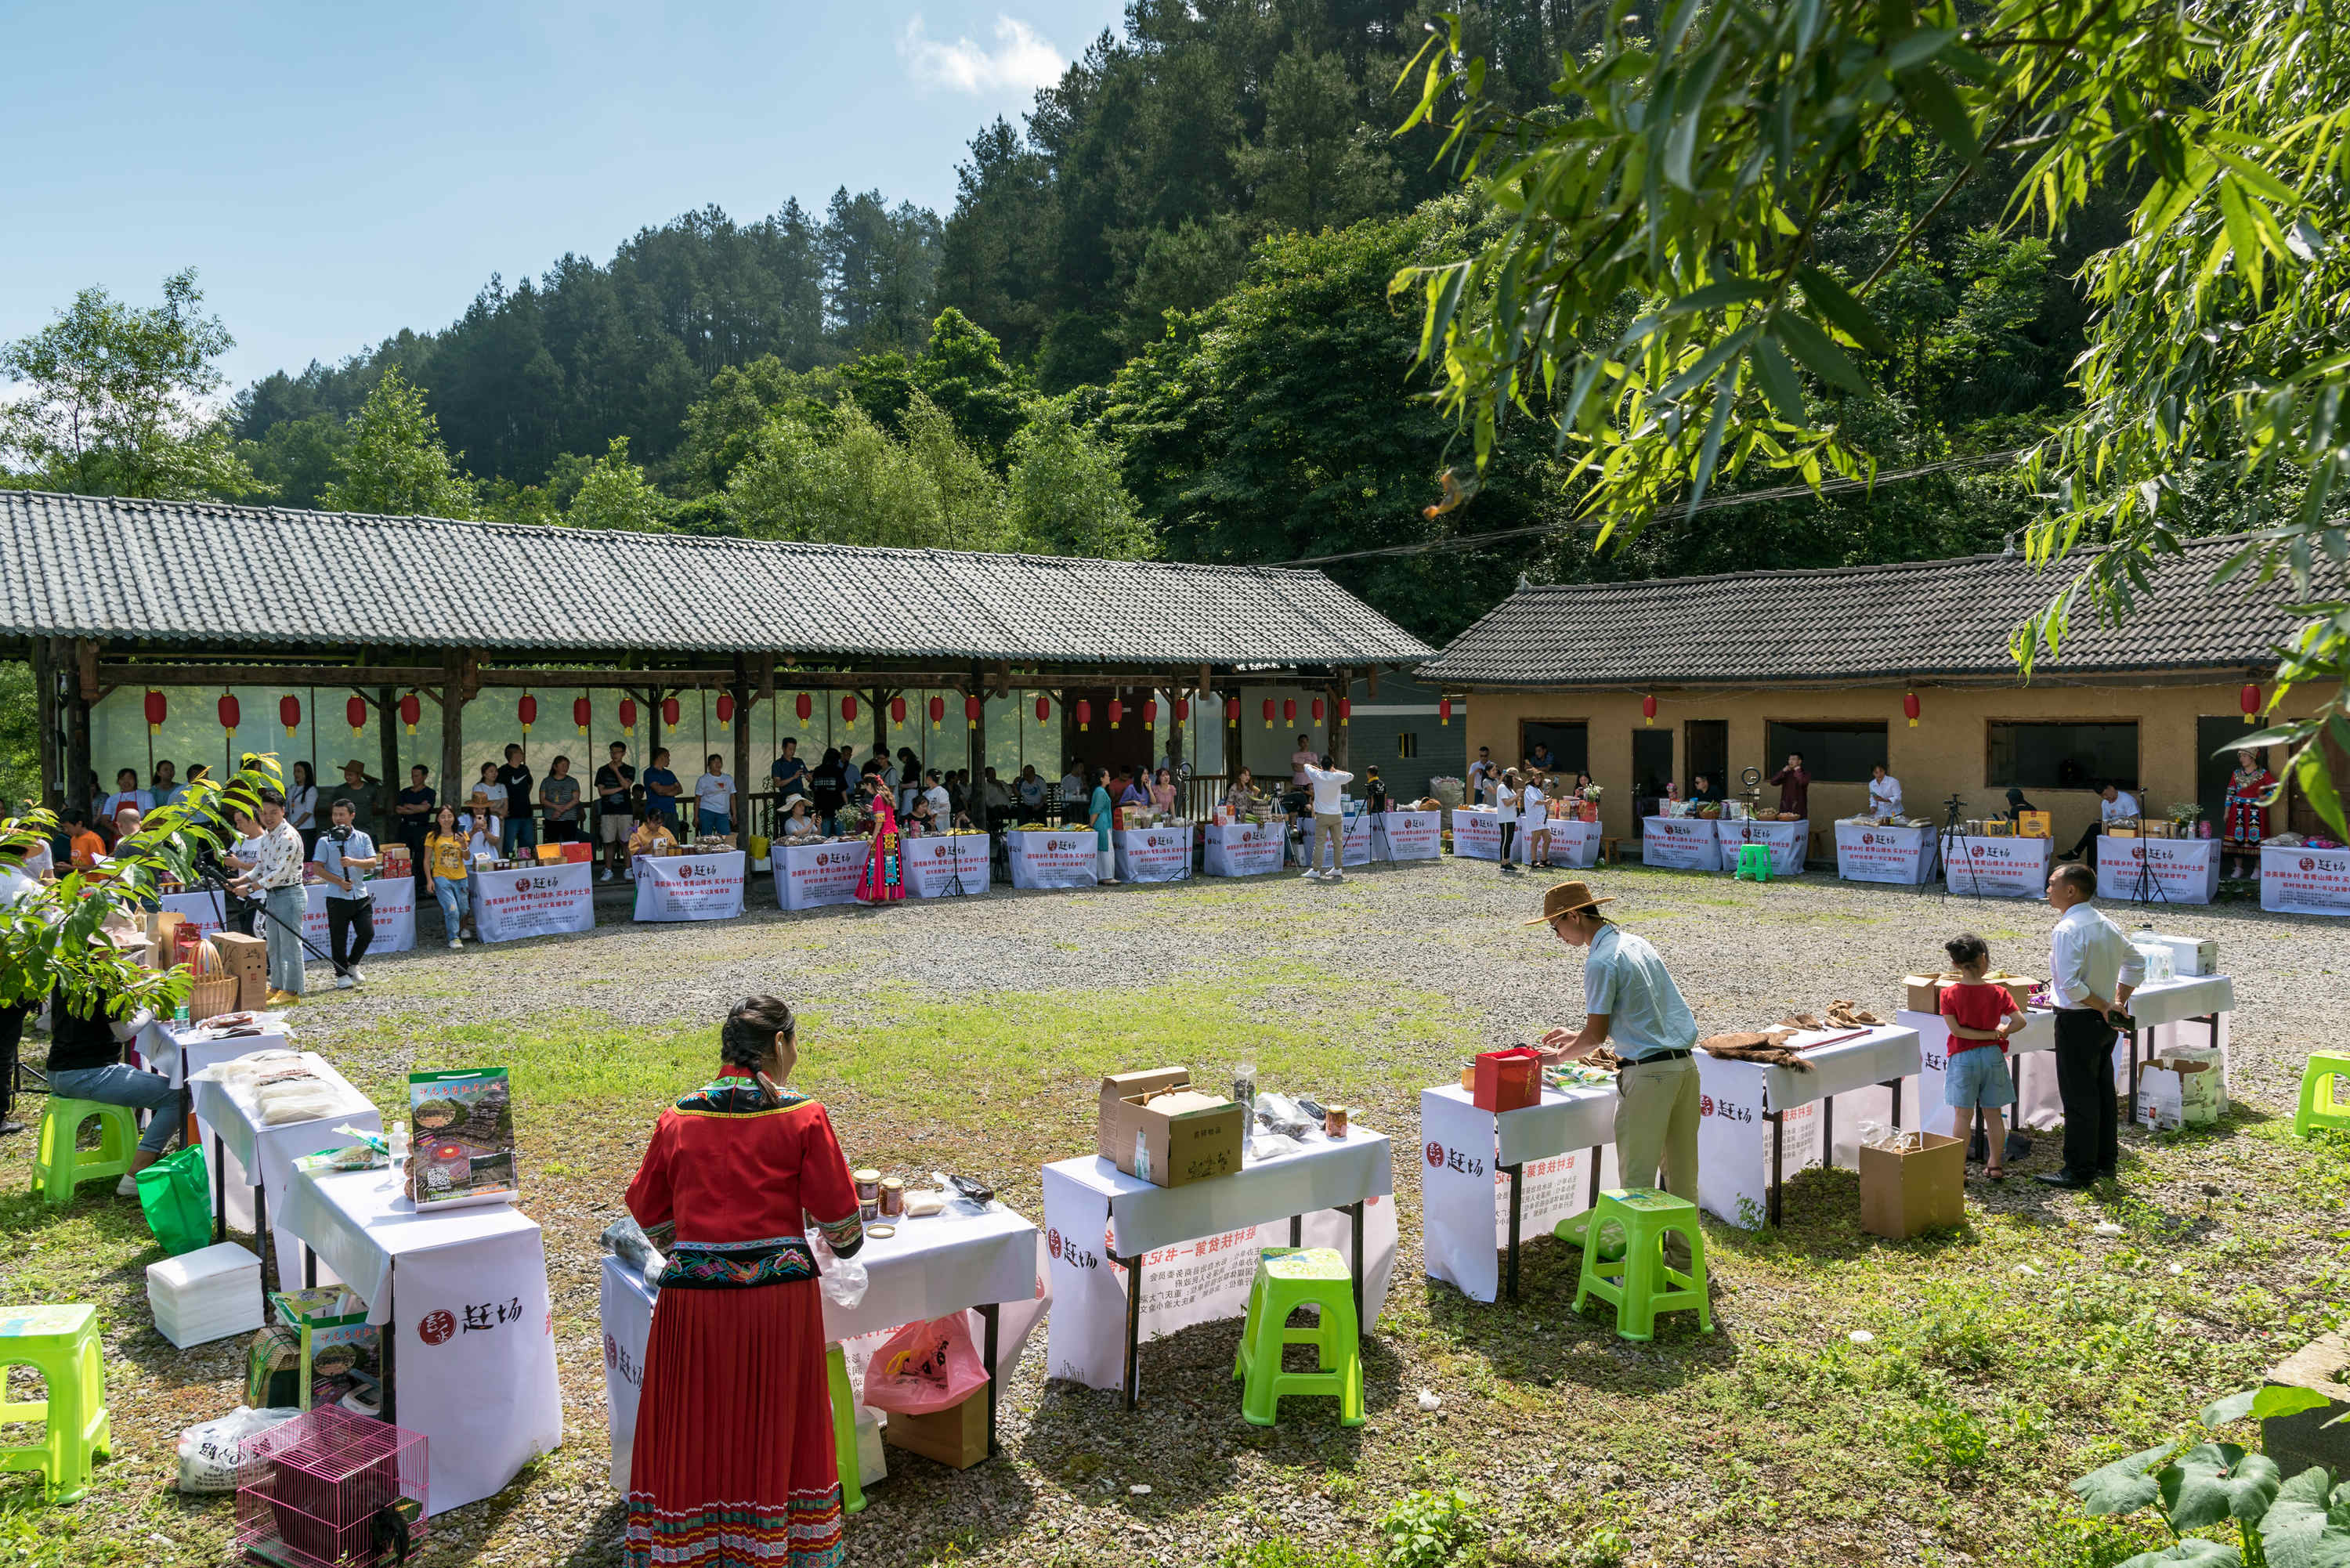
<point>307,1100</point>
<point>844,1279</point>
<point>210,1451</point>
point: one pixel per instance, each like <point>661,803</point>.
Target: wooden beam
<point>353,675</point>
<point>45,705</point>
<point>85,654</point>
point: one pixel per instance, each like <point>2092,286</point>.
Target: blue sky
<point>336,172</point>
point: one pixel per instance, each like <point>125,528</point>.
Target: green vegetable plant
<point>2304,1522</point>
<point>1429,1528</point>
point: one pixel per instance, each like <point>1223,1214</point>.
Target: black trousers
<point>350,924</point>
<point>1509,836</point>
<point>2088,837</point>
<point>2084,1083</point>
<point>12,1032</point>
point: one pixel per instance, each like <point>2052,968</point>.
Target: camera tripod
<point>1952,810</point>
<point>217,885</point>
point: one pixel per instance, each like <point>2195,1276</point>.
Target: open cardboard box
<point>955,1436</point>
<point>1923,994</point>
<point>244,960</point>
<point>1162,1149</point>
<point>1907,1193</point>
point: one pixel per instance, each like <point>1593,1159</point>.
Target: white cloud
<point>1021,61</point>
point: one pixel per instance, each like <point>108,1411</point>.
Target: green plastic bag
<point>174,1191</point>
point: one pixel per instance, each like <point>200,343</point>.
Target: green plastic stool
<point>1754,862</point>
<point>844,1429</point>
<point>58,1167</point>
<point>1287,1278</point>
<point>1575,1229</point>
<point>61,1344</point>
<point>2321,1104</point>
<point>1642,1285</point>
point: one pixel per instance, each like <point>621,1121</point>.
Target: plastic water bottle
<point>398,1141</point>
<point>179,1016</point>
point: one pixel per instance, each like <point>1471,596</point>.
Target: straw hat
<point>1565,899</point>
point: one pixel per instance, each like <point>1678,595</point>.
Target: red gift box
<point>1508,1080</point>
<point>578,854</point>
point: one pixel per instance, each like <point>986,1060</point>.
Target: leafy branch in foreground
<point>2304,1522</point>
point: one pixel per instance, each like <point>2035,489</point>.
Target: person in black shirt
<point>414,811</point>
<point>1375,789</point>
<point>614,816</point>
<point>521,827</point>
<point>829,786</point>
<point>789,773</point>
<point>86,1063</point>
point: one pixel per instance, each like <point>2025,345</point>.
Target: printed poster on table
<point>2299,880</point>
<point>1154,854</point>
<point>1414,835</point>
<point>1245,848</point>
<point>1790,843</point>
<point>947,865</point>
<point>1358,840</point>
<point>1476,834</point>
<point>394,898</point>
<point>810,876</point>
<point>1058,858</point>
<point>2177,870</point>
<point>691,886</point>
<point>1996,867</point>
<point>1866,853</point>
<point>1733,1141</point>
<point>1572,843</point>
<point>1465,1197</point>
<point>473,1360</point>
<point>1684,843</point>
<point>542,901</point>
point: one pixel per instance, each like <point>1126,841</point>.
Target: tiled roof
<point>1915,620</point>
<point>96,566</point>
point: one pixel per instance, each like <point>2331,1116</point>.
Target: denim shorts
<point>1978,1076</point>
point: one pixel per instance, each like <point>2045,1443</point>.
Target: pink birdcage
<point>332,1490</point>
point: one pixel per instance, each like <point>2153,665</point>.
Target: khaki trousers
<point>1333,828</point>
<point>1656,1124</point>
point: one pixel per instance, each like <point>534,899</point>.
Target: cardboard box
<point>1162,1149</point>
<point>1923,994</point>
<point>955,1436</point>
<point>578,853</point>
<point>2034,824</point>
<point>2189,955</point>
<point>1909,1194</point>
<point>246,960</point>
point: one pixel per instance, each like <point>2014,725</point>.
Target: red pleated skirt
<point>734,1465</point>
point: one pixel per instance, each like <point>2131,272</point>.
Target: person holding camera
<point>346,855</point>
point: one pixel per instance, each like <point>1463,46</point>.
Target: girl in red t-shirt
<point>1980,1018</point>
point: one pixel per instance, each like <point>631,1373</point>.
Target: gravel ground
<point>1587,1419</point>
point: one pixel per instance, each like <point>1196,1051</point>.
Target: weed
<point>1429,1528</point>
<point>1944,1437</point>
<point>1285,1551</point>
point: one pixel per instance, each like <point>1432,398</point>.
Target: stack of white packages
<point>207,1295</point>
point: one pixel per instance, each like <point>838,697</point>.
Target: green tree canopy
<point>395,464</point>
<point>615,494</point>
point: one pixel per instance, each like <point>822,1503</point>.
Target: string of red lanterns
<point>411,710</point>
<point>725,709</point>
<point>582,712</point>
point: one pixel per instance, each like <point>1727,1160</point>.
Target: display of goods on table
<point>1155,1126</point>
<point>463,1148</point>
<point>1923,993</point>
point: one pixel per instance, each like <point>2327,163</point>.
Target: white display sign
<point>1465,1196</point>
<point>1866,852</point>
<point>1996,867</point>
<point>691,886</point>
<point>1476,834</point>
<point>2176,870</point>
<point>539,901</point>
<point>394,898</point>
<point>1790,843</point>
<point>1733,1141</point>
<point>1683,842</point>
<point>1060,858</point>
<point>810,876</point>
<point>627,1313</point>
<point>947,865</point>
<point>1154,854</point>
<point>1413,835</point>
<point>1245,848</point>
<point>2298,880</point>
<point>1358,843</point>
<point>1573,842</point>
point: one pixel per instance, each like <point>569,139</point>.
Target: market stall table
<point>1572,843</point>
<point>2301,879</point>
<point>1161,854</point>
<point>1413,835</point>
<point>1489,1176</point>
<point>1683,842</point>
<point>1476,832</point>
<point>1245,848</point>
<point>533,900</point>
<point>468,1330</point>
<point>1925,1098</point>
<point>1996,867</point>
<point>694,886</point>
<point>1866,852</point>
<point>992,1263</point>
<point>1741,1168</point>
<point>1790,843</point>
<point>265,1155</point>
<point>2158,870</point>
<point>1360,839</point>
<point>1334,1193</point>
<point>393,915</point>
<point>947,865</point>
<point>1053,857</point>
<point>810,876</point>
<point>2160,1004</point>
<point>179,1050</point>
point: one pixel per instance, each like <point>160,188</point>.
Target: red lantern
<point>669,711</point>
<point>1909,707</point>
<point>725,709</point>
<point>355,711</point>
<point>527,711</point>
<point>1084,712</point>
<point>1044,709</point>
<point>848,708</point>
<point>411,711</point>
<point>1117,711</point>
<point>970,711</point>
<point>1233,711</point>
<point>1647,709</point>
<point>2249,700</point>
<point>803,707</point>
<point>154,711</point>
<point>289,712</point>
<point>937,710</point>
<point>1444,710</point>
<point>897,709</point>
<point>1289,709</point>
<point>581,712</point>
<point>1346,709</point>
<point>1182,709</point>
<point>627,715</point>
<point>1149,712</point>
<point>230,713</point>
<point>1268,712</point>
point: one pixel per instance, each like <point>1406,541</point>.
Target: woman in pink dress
<point>884,881</point>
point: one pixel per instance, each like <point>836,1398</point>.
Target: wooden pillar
<point>81,681</point>
<point>652,727</point>
<point>880,722</point>
<point>45,705</point>
<point>1337,732</point>
<point>395,779</point>
<point>456,689</point>
<point>978,735</point>
<point>743,699</point>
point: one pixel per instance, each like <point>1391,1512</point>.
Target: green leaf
<point>2123,1485</point>
<point>1714,295</point>
<point>1937,103</point>
<point>2235,1406</point>
<point>2321,787</point>
<point>2305,1528</point>
<point>1919,47</point>
<point>2278,1399</point>
<point>1841,308</point>
<point>1778,379</point>
<point>1817,351</point>
<point>2214,1481</point>
<point>2200,1553</point>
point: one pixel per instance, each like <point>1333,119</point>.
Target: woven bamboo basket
<point>211,997</point>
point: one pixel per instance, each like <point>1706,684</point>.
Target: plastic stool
<point>1575,1230</point>
<point>61,1344</point>
<point>58,1167</point>
<point>844,1429</point>
<point>2321,1104</point>
<point>1287,1278</point>
<point>1640,1285</point>
<point>1754,862</point>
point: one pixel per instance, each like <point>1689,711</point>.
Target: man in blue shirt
<point>346,855</point>
<point>790,774</point>
<point>661,790</point>
<point>1628,995</point>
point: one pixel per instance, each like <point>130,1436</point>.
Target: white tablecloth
<point>1412,835</point>
<point>1925,1100</point>
<point>1996,867</point>
<point>1360,842</point>
<point>262,1157</point>
<point>1476,832</point>
<point>1243,848</point>
<point>1866,852</point>
<point>394,916</point>
<point>460,1294</point>
<point>1154,854</point>
<point>809,875</point>
<point>1199,1243</point>
<point>1057,857</point>
<point>1737,1097</point>
<point>947,865</point>
<point>1465,1197</point>
<point>1572,843</point>
<point>691,886</point>
<point>1790,842</point>
<point>2188,996</point>
<point>2184,870</point>
<point>177,1057</point>
<point>535,902</point>
<point>1685,843</point>
<point>2298,880</point>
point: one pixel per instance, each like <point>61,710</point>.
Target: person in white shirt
<point>1534,822</point>
<point>1884,793</point>
<point>1506,801</point>
<point>941,804</point>
<point>1072,793</point>
<point>126,793</point>
<point>1030,790</point>
<point>1326,781</point>
<point>1481,775</point>
<point>2091,970</point>
<point>714,797</point>
<point>2115,804</point>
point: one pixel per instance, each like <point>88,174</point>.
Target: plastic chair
<point>61,1344</point>
<point>58,1167</point>
<point>1754,862</point>
<point>2321,1104</point>
<point>844,1429</point>
<point>1287,1278</point>
<point>1640,1285</point>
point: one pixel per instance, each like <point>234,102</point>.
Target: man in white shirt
<point>2091,970</point>
<point>1480,773</point>
<point>1884,794</point>
<point>2115,804</point>
<point>714,797</point>
<point>1030,790</point>
<point>935,796</point>
<point>1074,793</point>
<point>1326,781</point>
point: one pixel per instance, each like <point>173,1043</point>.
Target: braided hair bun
<point>749,1034</point>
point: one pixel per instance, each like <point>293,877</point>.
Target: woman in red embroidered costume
<point>884,881</point>
<point>2250,789</point>
<point>734,1465</point>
